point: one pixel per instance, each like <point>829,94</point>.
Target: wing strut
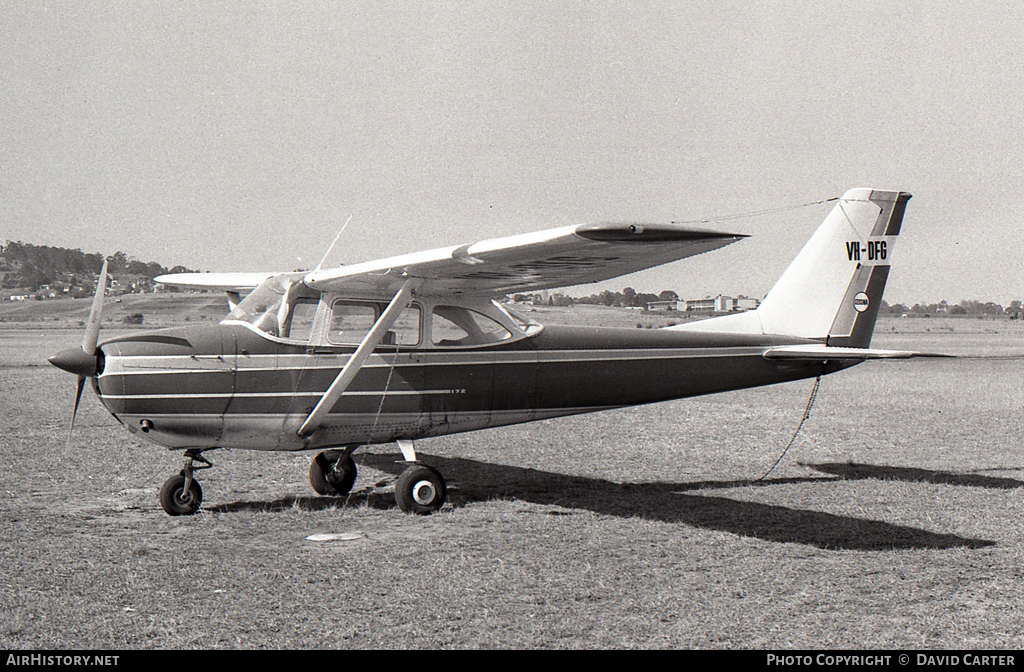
<point>355,362</point>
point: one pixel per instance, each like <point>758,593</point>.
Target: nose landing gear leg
<point>181,494</point>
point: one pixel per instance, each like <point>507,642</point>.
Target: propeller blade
<point>84,362</point>
<point>78,398</point>
<point>92,329</point>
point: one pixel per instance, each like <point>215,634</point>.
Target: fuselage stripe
<point>133,366</point>
<point>258,395</point>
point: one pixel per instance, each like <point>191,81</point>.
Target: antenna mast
<point>320,265</point>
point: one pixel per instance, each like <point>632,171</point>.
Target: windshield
<point>269,306</point>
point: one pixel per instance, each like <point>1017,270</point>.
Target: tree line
<point>965,307</point>
<point>31,266</point>
<point>628,297</point>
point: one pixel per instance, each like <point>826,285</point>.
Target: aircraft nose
<point>77,361</point>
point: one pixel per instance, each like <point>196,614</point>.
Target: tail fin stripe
<point>855,321</point>
<point>890,219</point>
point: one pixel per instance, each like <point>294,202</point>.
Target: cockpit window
<point>301,319</point>
<point>457,326</point>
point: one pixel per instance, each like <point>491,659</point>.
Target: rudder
<point>854,323</point>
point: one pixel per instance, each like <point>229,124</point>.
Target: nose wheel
<point>179,500</point>
<point>181,494</point>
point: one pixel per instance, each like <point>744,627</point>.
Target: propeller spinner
<point>84,361</point>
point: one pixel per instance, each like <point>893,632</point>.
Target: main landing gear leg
<point>181,494</point>
<point>420,489</point>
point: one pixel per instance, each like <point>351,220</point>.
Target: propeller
<point>84,361</point>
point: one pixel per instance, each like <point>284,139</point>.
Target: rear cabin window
<point>453,326</point>
<point>524,323</point>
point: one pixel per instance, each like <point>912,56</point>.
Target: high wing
<point>232,284</point>
<point>227,282</point>
<point>561,257</point>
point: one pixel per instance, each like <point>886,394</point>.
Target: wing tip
<point>222,281</point>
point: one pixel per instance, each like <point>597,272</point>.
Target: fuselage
<point>231,385</point>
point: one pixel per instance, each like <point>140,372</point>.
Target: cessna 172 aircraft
<point>414,346</point>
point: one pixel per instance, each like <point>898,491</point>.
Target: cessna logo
<point>861,302</point>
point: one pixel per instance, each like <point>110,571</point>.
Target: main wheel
<point>176,501</point>
<point>420,489</point>
<point>331,473</point>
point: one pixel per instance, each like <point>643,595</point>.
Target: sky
<point>228,136</point>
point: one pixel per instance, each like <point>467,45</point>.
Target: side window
<point>350,322</point>
<point>300,320</point>
<point>455,326</point>
<point>406,329</point>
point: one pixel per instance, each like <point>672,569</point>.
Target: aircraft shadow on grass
<point>474,481</point>
<point>848,471</point>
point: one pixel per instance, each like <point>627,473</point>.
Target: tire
<point>175,501</point>
<point>420,489</point>
<point>332,475</point>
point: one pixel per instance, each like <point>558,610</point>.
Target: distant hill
<point>32,267</point>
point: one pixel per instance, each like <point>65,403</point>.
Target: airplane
<point>416,346</point>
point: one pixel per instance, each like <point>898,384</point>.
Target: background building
<point>717,304</point>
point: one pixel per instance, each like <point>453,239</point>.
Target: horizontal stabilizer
<point>818,353</point>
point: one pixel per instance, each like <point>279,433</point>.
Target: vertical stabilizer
<point>833,288</point>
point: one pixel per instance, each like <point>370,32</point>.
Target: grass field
<point>893,522</point>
